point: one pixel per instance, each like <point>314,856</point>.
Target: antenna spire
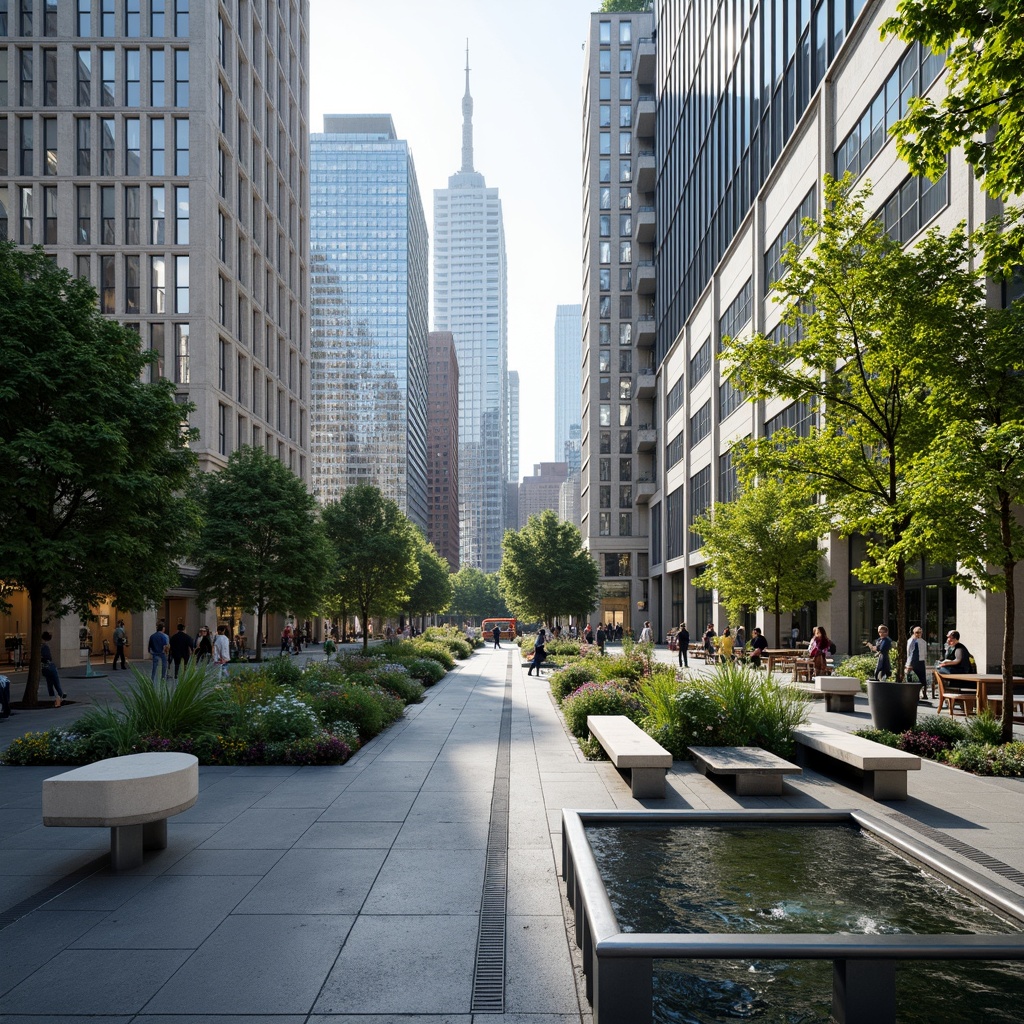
<point>467,122</point>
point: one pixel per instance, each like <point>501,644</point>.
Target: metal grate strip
<point>51,892</point>
<point>489,967</point>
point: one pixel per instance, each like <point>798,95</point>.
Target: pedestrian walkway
<point>357,893</point>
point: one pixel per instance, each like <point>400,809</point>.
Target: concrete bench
<point>838,691</point>
<point>132,795</point>
<point>628,746</point>
<point>757,772</point>
<point>885,768</point>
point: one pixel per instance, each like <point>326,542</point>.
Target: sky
<point>407,58</point>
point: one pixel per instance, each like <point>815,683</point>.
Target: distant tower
<point>470,301</point>
<point>443,447</point>
<point>513,426</point>
<point>568,353</point>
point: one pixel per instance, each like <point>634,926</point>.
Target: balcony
<point>644,60</point>
<point>645,225</point>
<point>646,171</point>
<point>645,383</point>
<point>644,489</point>
<point>645,331</point>
<point>646,438</point>
<point>645,108</point>
<point>645,277</point>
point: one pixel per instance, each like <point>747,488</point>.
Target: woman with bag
<point>916,652</point>
<point>818,650</point>
<point>538,654</point>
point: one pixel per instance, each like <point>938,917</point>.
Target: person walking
<point>538,653</point>
<point>120,643</point>
<point>916,656</point>
<point>647,634</point>
<point>818,650</point>
<point>222,651</point>
<point>601,637</point>
<point>496,635</point>
<point>180,648</point>
<point>204,646</point>
<point>683,639</point>
<point>50,674</point>
<point>884,644</point>
<point>286,639</point>
<point>159,645</point>
<point>758,645</point>
<point>726,644</point>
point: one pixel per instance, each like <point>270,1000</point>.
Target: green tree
<point>432,592</point>
<point>94,460</point>
<point>865,316</point>
<point>261,545</point>
<point>546,572</point>
<point>477,594</point>
<point>374,553</point>
<point>760,550</point>
<point>982,108</point>
<point>617,6</point>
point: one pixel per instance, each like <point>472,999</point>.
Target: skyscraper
<point>443,446</point>
<point>369,313</point>
<point>470,301</point>
<point>568,352</point>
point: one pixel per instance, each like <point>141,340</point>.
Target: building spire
<point>467,122</point>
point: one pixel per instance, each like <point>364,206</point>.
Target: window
<point>50,215</point>
<point>107,285</point>
<point>181,218</point>
<point>132,144</point>
<point>798,417</point>
<point>625,470</point>
<point>83,149</point>
<point>157,285</point>
<point>49,78</point>
<point>50,18</point>
<point>625,33</point>
<point>181,354</point>
<point>675,545</point>
<point>700,424</point>
<point>27,146</point>
<point>626,444</point>
<point>106,146</point>
<point>618,564</point>
<point>605,202</point>
<point>737,314</point>
<point>25,207</point>
<point>222,364</point>
<point>158,214</point>
<point>83,84</point>
<point>83,213</point>
<point>49,146</point>
<point>700,363</point>
<point>25,18</point>
<point>626,362</point>
<point>181,145</point>
<point>912,205</point>
<point>131,215</point>
<point>730,398</point>
<point>604,496</point>
<point>84,18</point>
<point>728,479</point>
<point>676,396</point>
<point>674,450</point>
<point>625,389</point>
<point>625,89</point>
<point>625,524</point>
<point>604,33</point>
<point>604,62</point>
<point>604,414</point>
<point>604,362</point>
<point>25,64</point>
<point>625,118</point>
<point>604,170</point>
<point>792,232</point>
<point>157,10</point>
<point>604,143</point>
<point>625,143</point>
<point>625,62</point>
<point>157,77</point>
<point>626,229</point>
<point>604,524</point>
<point>4,74</point>
<point>604,469</point>
<point>625,170</point>
<point>604,278</point>
<point>700,502</point>
<point>107,215</point>
<point>132,19</point>
<point>181,18</point>
<point>605,442</point>
<point>181,282</point>
<point>107,80</point>
<point>625,252</point>
<point>625,415</point>
<point>604,252</point>
<point>181,78</point>
<point>107,18</point>
<point>604,116</point>
<point>157,142</point>
<point>132,78</point>
<point>131,284</point>
<point>604,225</point>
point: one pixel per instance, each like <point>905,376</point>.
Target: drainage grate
<point>489,968</point>
<point>977,857</point>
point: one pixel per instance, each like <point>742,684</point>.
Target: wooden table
<point>784,658</point>
<point>986,684</point>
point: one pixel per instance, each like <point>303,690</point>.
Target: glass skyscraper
<point>568,352</point>
<point>368,240</point>
<point>470,301</point>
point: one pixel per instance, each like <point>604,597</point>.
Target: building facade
<point>542,491</point>
<point>618,453</point>
<point>470,301</point>
<point>160,151</point>
<point>369,314</point>
<point>443,446</point>
<point>568,352</point>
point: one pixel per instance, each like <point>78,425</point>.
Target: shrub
<point>429,649</point>
<point>450,638</point>
<point>323,748</point>
<point>604,698</point>
<point>282,718</point>
<point>55,746</point>
<point>572,677</point>
<point>944,727</point>
<point>889,739</point>
<point>426,670</point>
<point>369,708</point>
<point>689,716</point>
<point>984,727</point>
<point>860,666</point>
<point>924,744</point>
<point>282,670</point>
<point>396,679</point>
<point>985,759</point>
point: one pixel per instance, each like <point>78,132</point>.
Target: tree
<point>617,6</point>
<point>476,594</point>
<point>94,461</point>
<point>546,572</point>
<point>261,545</point>
<point>760,550</point>
<point>983,107</point>
<point>374,553</point>
<point>433,590</point>
<point>864,316</point>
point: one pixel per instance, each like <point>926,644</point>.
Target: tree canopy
<point>546,572</point>
<point>616,6</point>
<point>477,594</point>
<point>863,317</point>
<point>760,550</point>
<point>260,545</point>
<point>432,592</point>
<point>375,566</point>
<point>94,461</point>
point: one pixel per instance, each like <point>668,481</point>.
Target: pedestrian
<point>883,666</point>
<point>204,646</point>
<point>538,654</point>
<point>286,638</point>
<point>297,637</point>
<point>917,654</point>
<point>181,648</point>
<point>221,651</point>
<point>818,650</point>
<point>647,634</point>
<point>618,632</point>
<point>120,643</point>
<point>601,637</point>
<point>726,644</point>
<point>588,634</point>
<point>5,697</point>
<point>53,687</point>
<point>758,645</point>
<point>740,638</point>
<point>159,645</point>
<point>958,660</point>
<point>683,639</point>
<point>709,640</point>
<point>794,636</point>
<point>496,635</point>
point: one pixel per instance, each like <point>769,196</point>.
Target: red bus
<point>507,626</point>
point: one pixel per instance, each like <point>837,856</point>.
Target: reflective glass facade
<point>368,240</point>
<point>568,351</point>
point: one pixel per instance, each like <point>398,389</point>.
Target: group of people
<point>179,648</point>
<point>956,659</point>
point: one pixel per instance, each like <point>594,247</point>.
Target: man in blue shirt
<point>159,643</point>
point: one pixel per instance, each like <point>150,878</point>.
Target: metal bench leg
<point>154,835</point>
<point>125,847</point>
<point>864,991</point>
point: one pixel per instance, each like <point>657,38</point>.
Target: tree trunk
<point>1009,605</point>
<point>899,648</point>
<point>259,632</point>
<point>364,610</point>
<point>778,618</point>
<point>36,597</point>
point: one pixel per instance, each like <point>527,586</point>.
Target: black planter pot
<point>893,705</point>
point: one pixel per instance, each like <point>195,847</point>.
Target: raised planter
<point>893,705</point>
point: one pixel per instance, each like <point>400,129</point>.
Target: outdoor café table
<point>783,658</point>
<point>986,684</point>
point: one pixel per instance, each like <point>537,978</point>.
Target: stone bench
<point>838,691</point>
<point>628,746</point>
<point>757,772</point>
<point>132,795</point>
<point>884,768</point>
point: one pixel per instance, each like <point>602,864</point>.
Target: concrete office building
<point>369,311</point>
<point>751,114</point>
<point>568,352</point>
<point>618,451</point>
<point>160,150</point>
<point>470,301</point>
<point>443,446</point>
<point>542,491</point>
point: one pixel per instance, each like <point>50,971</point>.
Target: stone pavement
<point>355,893</point>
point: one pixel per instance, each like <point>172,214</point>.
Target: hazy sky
<point>407,58</point>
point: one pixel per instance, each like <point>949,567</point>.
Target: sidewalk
<point>354,893</point>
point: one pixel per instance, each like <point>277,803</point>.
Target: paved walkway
<point>353,893</point>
